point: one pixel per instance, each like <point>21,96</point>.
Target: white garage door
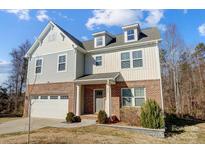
<point>49,106</point>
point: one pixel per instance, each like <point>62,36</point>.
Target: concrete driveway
<point>21,125</point>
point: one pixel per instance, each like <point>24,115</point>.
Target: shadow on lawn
<point>175,125</point>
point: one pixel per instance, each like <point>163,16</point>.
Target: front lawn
<point>97,134</point>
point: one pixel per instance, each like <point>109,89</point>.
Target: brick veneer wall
<point>64,88</point>
<point>88,97</point>
<point>152,92</point>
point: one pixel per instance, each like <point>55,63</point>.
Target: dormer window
<point>130,35</point>
<point>99,41</point>
<point>131,32</point>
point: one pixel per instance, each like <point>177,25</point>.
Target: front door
<point>99,100</point>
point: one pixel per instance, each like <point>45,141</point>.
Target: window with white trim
<point>98,61</point>
<point>61,63</point>
<point>125,60</point>
<point>99,41</point>
<point>130,35</point>
<point>133,96</point>
<point>137,58</point>
<point>38,68</point>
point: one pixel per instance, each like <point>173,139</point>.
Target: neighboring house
<point>107,73</point>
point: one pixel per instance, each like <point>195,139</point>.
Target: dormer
<point>131,32</point>
<point>101,39</point>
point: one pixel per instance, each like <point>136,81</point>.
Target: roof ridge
<point>73,38</point>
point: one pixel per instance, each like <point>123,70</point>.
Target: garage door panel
<point>49,108</point>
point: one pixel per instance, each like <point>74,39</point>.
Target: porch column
<point>78,100</point>
<point>108,102</point>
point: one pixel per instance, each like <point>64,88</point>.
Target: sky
<point>19,25</point>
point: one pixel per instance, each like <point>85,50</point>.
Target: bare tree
<point>174,46</point>
<point>18,73</point>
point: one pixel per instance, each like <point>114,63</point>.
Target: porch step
<point>89,116</point>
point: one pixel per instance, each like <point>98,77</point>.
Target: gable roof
<point>43,33</point>
<point>148,34</point>
<point>75,40</point>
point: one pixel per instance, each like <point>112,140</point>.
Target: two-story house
<point>108,73</point>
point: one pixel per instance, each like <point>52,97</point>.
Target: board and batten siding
<point>111,62</point>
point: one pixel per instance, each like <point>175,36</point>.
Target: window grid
<point>98,60</point>
<point>131,59</point>
<point>133,96</point>
<point>99,41</point>
<point>125,60</point>
<point>38,68</point>
<point>61,63</point>
<point>130,35</point>
<point>137,59</point>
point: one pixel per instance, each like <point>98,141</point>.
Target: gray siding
<point>49,69</point>
<point>80,64</point>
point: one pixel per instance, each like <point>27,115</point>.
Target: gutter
<point>126,45</point>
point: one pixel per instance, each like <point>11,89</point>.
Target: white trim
<point>99,79</point>
<point>56,52</point>
<point>99,66</point>
<point>161,92</point>
<point>48,26</point>
<point>95,41</point>
<point>125,45</point>
<point>130,26</point>
<point>65,54</point>
<point>135,36</point>
<point>131,60</point>
<point>94,103</point>
<point>40,58</point>
<point>132,98</point>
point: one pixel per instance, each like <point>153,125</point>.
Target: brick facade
<point>64,88</point>
<point>152,92</point>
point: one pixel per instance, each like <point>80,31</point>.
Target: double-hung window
<point>137,58</point>
<point>133,96</point>
<point>130,35</point>
<point>125,60</point>
<point>39,63</point>
<point>99,41</point>
<point>131,59</point>
<point>61,63</point>
<point>98,61</point>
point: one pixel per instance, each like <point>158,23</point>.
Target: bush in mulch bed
<point>71,118</point>
<point>103,119</point>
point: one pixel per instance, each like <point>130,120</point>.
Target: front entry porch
<point>94,93</point>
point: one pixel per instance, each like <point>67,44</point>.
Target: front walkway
<point>21,125</point>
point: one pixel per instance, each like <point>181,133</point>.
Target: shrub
<point>69,117</point>
<point>76,119</point>
<point>102,116</point>
<point>151,115</point>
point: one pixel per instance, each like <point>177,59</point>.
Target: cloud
<point>201,29</point>
<point>21,14</point>
<point>84,38</point>
<point>4,66</point>
<point>146,18</point>
<point>42,16</point>
<point>113,18</point>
